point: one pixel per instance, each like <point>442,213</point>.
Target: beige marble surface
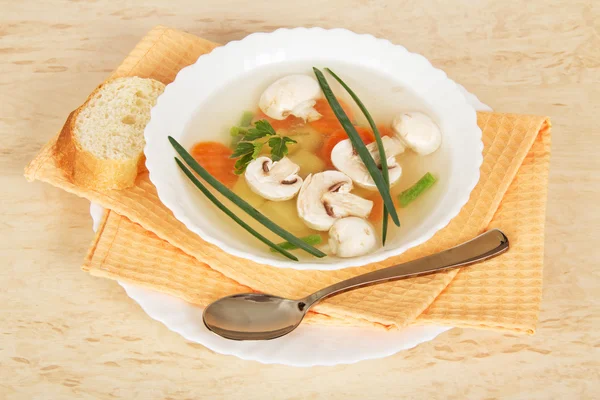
<point>66,335</point>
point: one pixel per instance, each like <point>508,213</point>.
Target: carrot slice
<point>365,134</point>
<point>328,123</point>
<point>214,157</point>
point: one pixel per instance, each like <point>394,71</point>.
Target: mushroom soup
<point>292,160</point>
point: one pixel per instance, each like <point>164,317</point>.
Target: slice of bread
<point>102,143</point>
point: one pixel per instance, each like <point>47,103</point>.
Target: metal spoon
<point>255,316</point>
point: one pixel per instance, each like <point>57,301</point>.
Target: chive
<point>384,226</point>
<point>416,190</point>
<point>221,206</point>
<point>241,203</point>
<point>382,156</point>
<point>246,119</point>
<point>310,239</point>
<point>359,146</point>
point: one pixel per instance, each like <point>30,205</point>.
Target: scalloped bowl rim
<point>152,134</point>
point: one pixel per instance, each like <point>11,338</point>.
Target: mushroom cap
<point>418,132</point>
<point>291,95</point>
<point>276,181</point>
<point>345,159</point>
<point>352,237</point>
<point>325,197</point>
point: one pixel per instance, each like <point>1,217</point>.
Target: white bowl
<point>209,95</point>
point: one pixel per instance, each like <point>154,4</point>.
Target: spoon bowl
<point>253,316</point>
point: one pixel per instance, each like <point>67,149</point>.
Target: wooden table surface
<point>67,335</point>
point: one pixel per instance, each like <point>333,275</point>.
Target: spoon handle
<point>484,246</point>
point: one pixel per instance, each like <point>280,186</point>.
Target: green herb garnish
<point>359,146</point>
<point>242,149</point>
<point>241,164</point>
<point>250,145</point>
<point>257,149</point>
<point>310,239</point>
<point>237,132</point>
<point>382,156</point>
<point>241,203</point>
<point>416,190</point>
<point>261,129</point>
<point>279,147</point>
<point>274,247</point>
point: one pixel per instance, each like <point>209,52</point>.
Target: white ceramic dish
<point>232,77</point>
<point>306,346</point>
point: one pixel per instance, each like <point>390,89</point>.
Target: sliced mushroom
<point>325,197</point>
<point>418,132</point>
<point>277,181</point>
<point>345,159</point>
<point>340,205</point>
<point>352,237</point>
<point>291,95</point>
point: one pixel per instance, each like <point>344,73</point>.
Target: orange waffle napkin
<point>503,293</point>
<point>169,269</point>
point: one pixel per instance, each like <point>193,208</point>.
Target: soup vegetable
<point>302,160</point>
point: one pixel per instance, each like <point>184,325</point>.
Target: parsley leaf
<point>254,134</point>
<point>264,125</point>
<point>276,145</point>
<point>279,147</point>
<point>242,163</point>
<point>242,149</point>
<point>261,129</point>
<point>249,148</point>
<point>257,149</point>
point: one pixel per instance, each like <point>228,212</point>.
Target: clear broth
<point>220,112</point>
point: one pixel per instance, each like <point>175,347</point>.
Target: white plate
<point>306,346</point>
<point>199,103</point>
